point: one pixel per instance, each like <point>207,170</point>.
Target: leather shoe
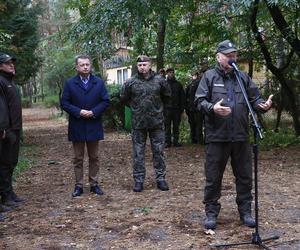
<point>96,190</point>
<point>210,222</point>
<point>77,191</point>
<point>138,187</point>
<point>162,185</point>
<point>248,220</point>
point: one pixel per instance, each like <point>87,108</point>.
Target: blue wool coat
<point>76,97</point>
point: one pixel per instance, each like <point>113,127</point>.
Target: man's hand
<point>221,110</point>
<point>86,113</point>
<point>266,105</point>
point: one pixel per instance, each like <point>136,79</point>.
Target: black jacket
<point>4,119</point>
<point>177,100</point>
<point>13,100</point>
<point>190,92</point>
<point>214,86</point>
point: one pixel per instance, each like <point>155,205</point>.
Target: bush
<point>283,138</point>
<point>26,103</point>
<point>52,101</point>
<point>114,116</point>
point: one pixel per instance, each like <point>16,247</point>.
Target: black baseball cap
<point>226,47</point>
<point>5,58</point>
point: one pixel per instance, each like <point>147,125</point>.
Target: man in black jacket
<point>173,109</point>
<point>220,98</point>
<point>11,143</point>
<point>4,124</point>
<point>195,117</point>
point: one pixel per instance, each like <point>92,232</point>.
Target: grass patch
<point>283,138</point>
<point>26,158</point>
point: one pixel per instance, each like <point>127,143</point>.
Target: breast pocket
<point>219,93</point>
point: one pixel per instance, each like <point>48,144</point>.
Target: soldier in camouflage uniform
<point>145,93</point>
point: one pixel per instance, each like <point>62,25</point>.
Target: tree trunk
<point>284,27</point>
<point>275,71</point>
<point>161,33</point>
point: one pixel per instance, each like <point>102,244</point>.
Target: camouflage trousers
<point>157,140</point>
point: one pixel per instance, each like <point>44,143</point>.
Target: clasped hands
<point>86,113</point>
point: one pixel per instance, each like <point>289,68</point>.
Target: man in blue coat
<point>85,98</point>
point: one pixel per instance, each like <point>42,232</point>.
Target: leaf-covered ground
<point>122,219</point>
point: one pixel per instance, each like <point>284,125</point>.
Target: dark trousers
<point>92,150</point>
<point>195,119</point>
<point>8,160</point>
<point>172,121</point>
<point>217,155</point>
<point>157,140</point>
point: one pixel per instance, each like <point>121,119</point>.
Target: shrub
<point>26,102</point>
<point>52,101</point>
<point>114,116</point>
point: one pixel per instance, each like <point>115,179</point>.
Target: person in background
<point>85,98</point>
<point>195,117</point>
<point>146,93</point>
<point>4,125</point>
<point>220,98</point>
<point>162,73</point>
<point>174,109</point>
<point>11,137</point>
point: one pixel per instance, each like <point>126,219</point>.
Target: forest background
<point>45,36</point>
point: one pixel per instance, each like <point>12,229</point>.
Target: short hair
<point>170,70</point>
<point>82,57</point>
<point>162,71</point>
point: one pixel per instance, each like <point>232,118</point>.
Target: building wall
<point>118,75</point>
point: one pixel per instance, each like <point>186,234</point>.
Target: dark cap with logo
<point>5,58</point>
<point>143,58</point>
<point>226,47</point>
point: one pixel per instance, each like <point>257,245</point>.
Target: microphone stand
<point>256,239</point>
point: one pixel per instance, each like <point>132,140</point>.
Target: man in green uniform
<point>146,93</point>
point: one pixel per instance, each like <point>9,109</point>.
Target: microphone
<point>232,63</point>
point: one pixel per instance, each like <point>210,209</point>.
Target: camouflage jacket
<point>146,98</point>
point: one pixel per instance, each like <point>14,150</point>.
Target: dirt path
<point>122,219</point>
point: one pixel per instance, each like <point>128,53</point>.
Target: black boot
<point>2,217</point>
<point>210,222</point>
<point>8,200</point>
<point>212,210</point>
<point>4,209</point>
<point>138,187</point>
<point>248,220</point>
<point>162,185</point>
<point>245,214</point>
<point>16,198</point>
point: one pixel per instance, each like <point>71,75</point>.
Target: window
<point>122,75</point>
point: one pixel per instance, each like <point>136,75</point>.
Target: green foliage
<point>24,161</point>
<point>114,116</point>
<point>26,103</point>
<point>19,35</point>
<point>52,101</point>
<point>284,138</point>
<point>184,131</point>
